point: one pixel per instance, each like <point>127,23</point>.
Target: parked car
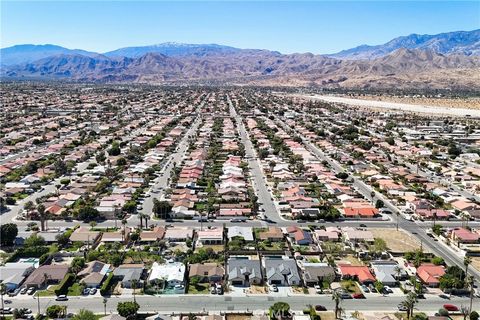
<point>320,308</point>
<point>401,307</point>
<point>345,295</point>
<point>273,288</point>
<point>93,291</point>
<point>31,291</point>
<point>61,297</point>
<point>365,288</point>
<point>219,290</point>
<point>14,292</point>
<point>6,310</point>
<point>387,289</point>
<point>86,291</point>
<point>213,290</point>
<point>317,288</point>
<point>24,290</point>
<point>450,307</point>
<point>358,296</point>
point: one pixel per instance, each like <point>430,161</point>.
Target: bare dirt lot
<point>476,263</point>
<point>397,241</point>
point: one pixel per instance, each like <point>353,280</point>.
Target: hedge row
<point>105,289</point>
<point>26,252</point>
<point>62,288</point>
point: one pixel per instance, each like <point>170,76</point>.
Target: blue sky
<point>286,26</point>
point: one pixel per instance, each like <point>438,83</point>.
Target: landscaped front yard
<point>199,288</point>
<point>350,286</point>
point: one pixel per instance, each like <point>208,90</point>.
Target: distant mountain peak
<point>457,42</point>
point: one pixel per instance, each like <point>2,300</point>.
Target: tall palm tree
<point>409,303</point>
<point>146,217</point>
<point>466,262</point>
<point>337,297</point>
<point>470,282</point>
<point>417,262</point>
<point>134,287</point>
<point>105,300</point>
<point>124,223</point>
<point>41,214</point>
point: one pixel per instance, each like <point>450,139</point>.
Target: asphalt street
<point>197,303</point>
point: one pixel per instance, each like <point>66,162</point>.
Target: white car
<point>273,288</point>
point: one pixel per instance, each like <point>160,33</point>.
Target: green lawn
<point>75,290</point>
<point>200,288</point>
<point>50,291</point>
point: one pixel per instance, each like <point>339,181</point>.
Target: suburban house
<point>244,232</point>
<point>12,274</point>
<point>120,236</point>
<point>357,235</point>
<point>430,274</point>
<point>360,273</point>
<point>129,273</point>
<point>388,272</point>
<point>178,234</point>
<point>213,236</point>
<point>171,275</point>
<point>152,236</point>
<point>46,275</point>
<point>83,234</point>
<point>272,234</point>
<point>94,274</point>
<point>244,272</point>
<point>283,272</point>
<point>329,234</point>
<point>462,235</point>
<point>207,272</point>
<point>299,236</point>
<point>315,273</point>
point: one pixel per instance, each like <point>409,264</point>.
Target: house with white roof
<point>171,275</point>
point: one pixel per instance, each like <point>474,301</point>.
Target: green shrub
<point>55,311</point>
<point>62,288</point>
<point>105,289</point>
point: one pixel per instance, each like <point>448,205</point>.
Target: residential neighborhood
<point>235,195</point>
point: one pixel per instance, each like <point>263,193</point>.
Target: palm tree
<point>470,282</point>
<point>337,297</point>
<point>409,303</point>
<point>466,262</point>
<point>134,287</point>
<point>105,300</point>
<point>41,214</point>
<point>146,217</point>
<point>29,206</point>
<point>398,272</point>
<point>416,263</point>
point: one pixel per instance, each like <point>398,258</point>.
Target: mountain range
<point>447,60</point>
